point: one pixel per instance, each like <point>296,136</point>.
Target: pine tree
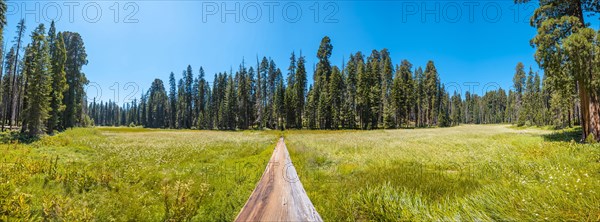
<point>500,106</point>
<point>336,93</point>
<point>311,109</point>
<point>322,75</point>
<point>7,86</point>
<point>250,97</point>
<point>13,101</point>
<point>402,93</point>
<point>529,100</point>
<point>195,100</point>
<point>290,94</point>
<point>157,105</point>
<point>231,103</point>
<point>509,116</point>
<point>181,103</point>
<point>2,19</point>
<point>519,85</point>
<point>242,96</point>
<point>538,105</point>
<point>350,73</point>
<point>456,109</point>
<point>143,109</point>
<point>209,122</point>
<point>279,104</point>
<point>74,96</point>
<point>431,87</point>
<point>261,92</point>
<point>386,115</point>
<point>420,97</point>
<point>172,102</point>
<point>202,100</point>
<point>444,110</point>
<point>58,59</point>
<point>271,81</point>
<point>220,92</point>
<point>2,51</point>
<point>188,102</point>
<point>363,101</point>
<point>300,87</point>
<point>374,70</point>
<point>37,84</point>
<point>563,98</point>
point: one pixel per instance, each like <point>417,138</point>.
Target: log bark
<point>594,117</point>
<point>590,112</point>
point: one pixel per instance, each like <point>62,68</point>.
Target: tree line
<point>568,49</point>
<point>365,93</point>
<point>42,87</point>
<point>41,82</point>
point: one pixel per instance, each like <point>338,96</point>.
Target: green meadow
<point>132,174</point>
<point>480,173</point>
<point>472,172</point>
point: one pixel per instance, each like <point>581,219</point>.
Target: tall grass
<point>124,174</point>
<point>462,173</point>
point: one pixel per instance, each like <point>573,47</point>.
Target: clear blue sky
<point>471,41</point>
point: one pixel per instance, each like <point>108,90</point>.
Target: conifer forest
<point>318,124</point>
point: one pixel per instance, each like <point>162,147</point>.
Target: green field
<point>463,173</point>
<point>132,174</point>
<point>491,172</point>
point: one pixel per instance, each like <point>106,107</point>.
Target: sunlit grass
<point>132,174</point>
<point>461,173</point>
<point>491,172</point>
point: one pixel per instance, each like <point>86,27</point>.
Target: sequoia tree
<point>568,51</point>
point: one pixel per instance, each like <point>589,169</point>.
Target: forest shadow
<point>10,137</point>
<point>565,135</point>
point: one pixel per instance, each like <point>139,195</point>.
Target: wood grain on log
<point>279,195</point>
